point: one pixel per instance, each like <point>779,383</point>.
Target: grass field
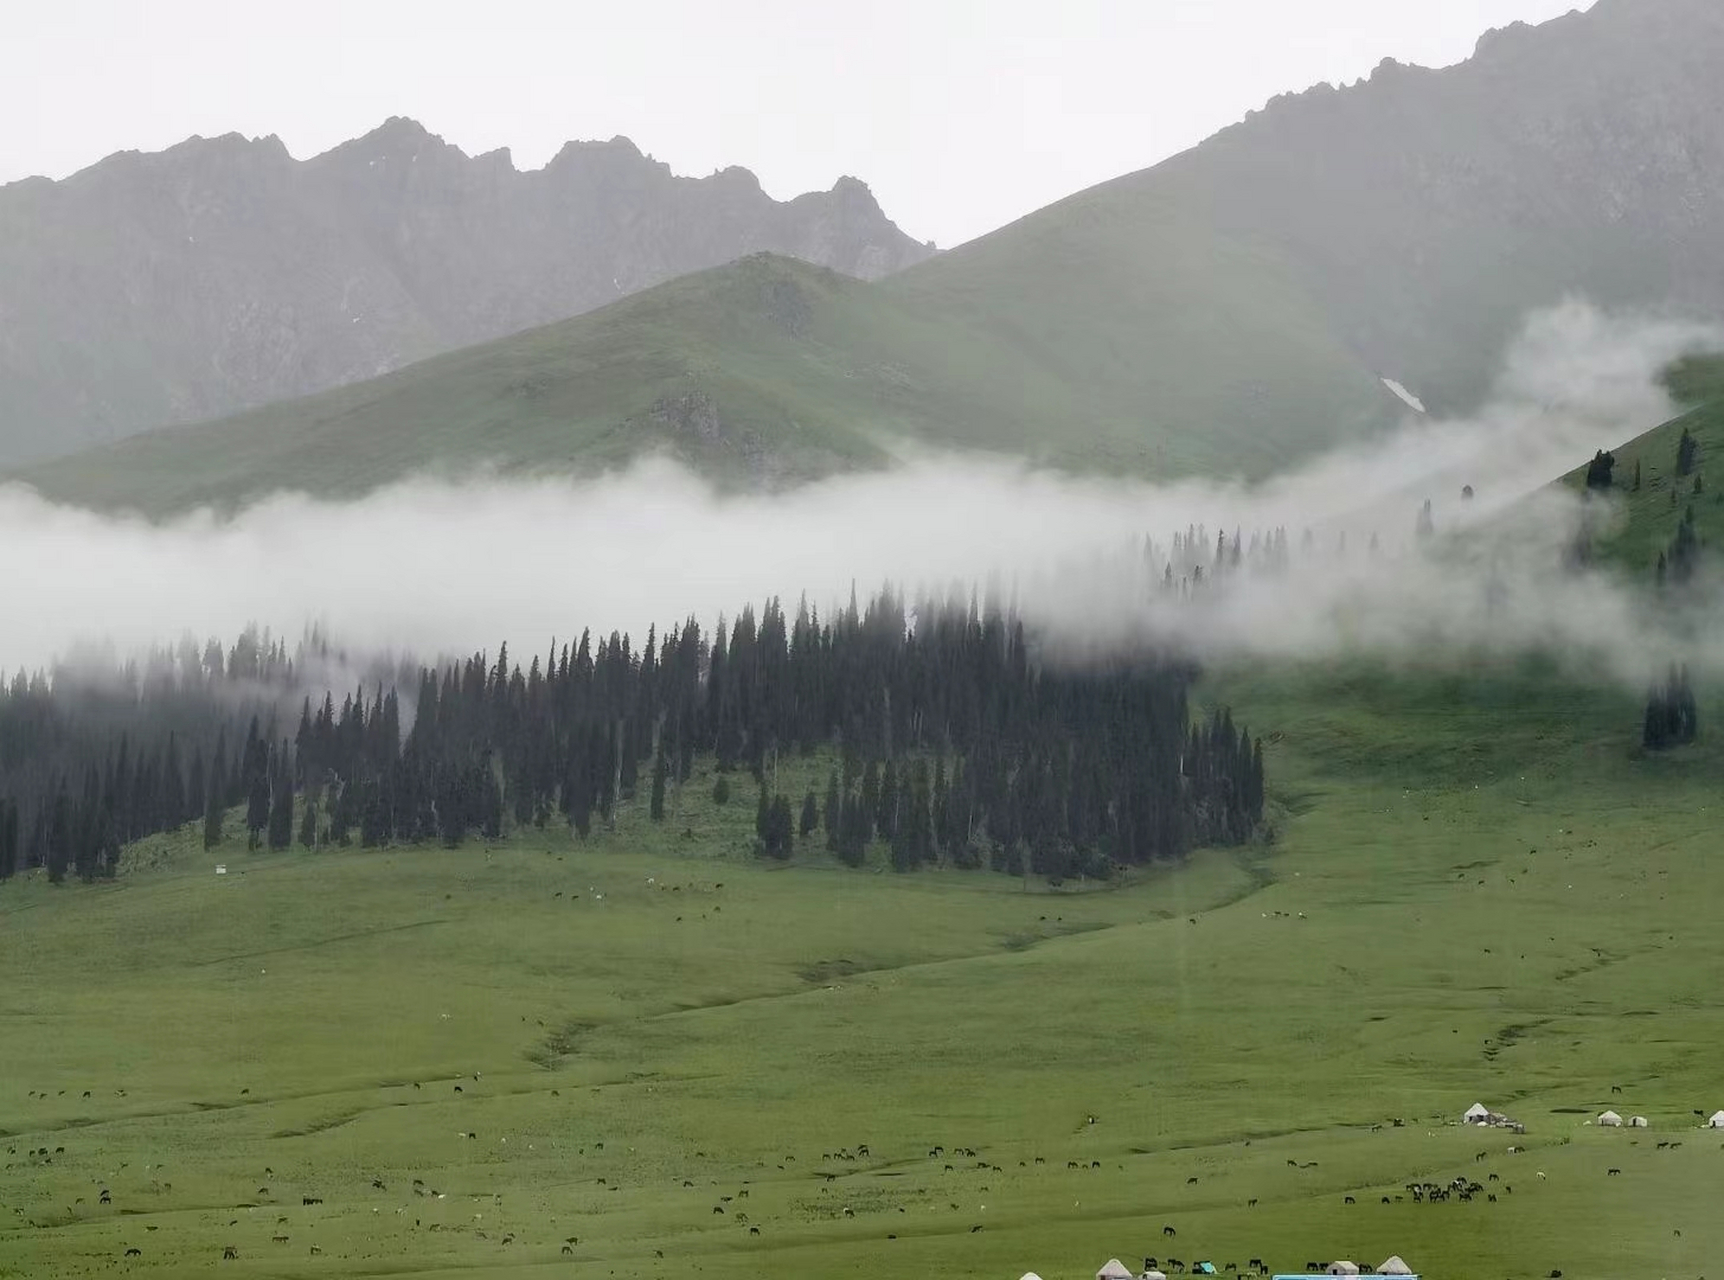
<point>1464,903</point>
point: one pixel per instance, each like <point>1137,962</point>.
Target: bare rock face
<point>223,273</point>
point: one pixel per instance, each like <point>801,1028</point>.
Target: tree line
<point>955,736</point>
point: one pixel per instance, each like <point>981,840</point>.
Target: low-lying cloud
<point>431,567</point>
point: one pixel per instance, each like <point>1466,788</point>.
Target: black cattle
<point>568,1249</point>
<point>975,1228</point>
<point>134,1253</point>
<point>1349,1200</point>
<point>1169,1232</point>
<point>754,1231</point>
<point>1191,1182</point>
<point>1612,1172</point>
<point>718,1208</point>
<point>304,1200</point>
<point>229,1253</point>
<point>1251,1203</point>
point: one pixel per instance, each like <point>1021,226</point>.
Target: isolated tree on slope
<point>1686,450</point>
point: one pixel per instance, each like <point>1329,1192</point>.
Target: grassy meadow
<point>549,1058</point>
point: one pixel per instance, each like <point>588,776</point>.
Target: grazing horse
<point>1169,1232</point>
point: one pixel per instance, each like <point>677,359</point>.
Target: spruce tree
<point>810,815</point>
<point>833,811</point>
<point>308,826</point>
<point>281,809</point>
<point>659,771</point>
<point>215,810</point>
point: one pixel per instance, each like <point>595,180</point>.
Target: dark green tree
<point>659,772</point>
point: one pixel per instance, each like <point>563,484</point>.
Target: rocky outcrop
<point>223,273</point>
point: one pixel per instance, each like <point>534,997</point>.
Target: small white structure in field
<point>1114,1270</point>
<point>1610,1120</point>
<point>1394,1267</point>
<point>1637,1122</point>
<point>1717,1120</point>
<point>1029,1275</point>
<point>1478,1113</point>
<point>221,868</point>
<point>1343,1269</point>
<point>1153,1275</point>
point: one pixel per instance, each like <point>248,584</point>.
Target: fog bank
<point>438,568</point>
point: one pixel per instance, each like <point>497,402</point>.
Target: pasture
<point>651,1055</point>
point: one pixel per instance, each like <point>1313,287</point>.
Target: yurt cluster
<point>1114,1269</point>
<point>1480,1114</point>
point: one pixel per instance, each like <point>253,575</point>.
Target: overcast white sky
<point>960,114</point>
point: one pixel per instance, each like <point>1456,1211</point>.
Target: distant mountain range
<point>223,273</point>
<point>1230,311</point>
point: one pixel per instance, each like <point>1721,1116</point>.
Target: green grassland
<point>768,370</point>
<point>1479,890</point>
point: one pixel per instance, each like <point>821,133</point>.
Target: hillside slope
<point>1647,517</point>
<point>223,273</point>
<point>1401,227</point>
<point>762,372</point>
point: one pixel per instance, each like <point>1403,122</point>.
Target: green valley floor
<point>651,1055</point>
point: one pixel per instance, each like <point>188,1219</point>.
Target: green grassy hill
<point>770,370</point>
<point>1481,890</point>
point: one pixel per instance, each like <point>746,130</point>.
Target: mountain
<point>1231,310</point>
<point>223,273</point>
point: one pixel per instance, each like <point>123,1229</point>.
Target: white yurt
<point>1343,1269</point>
<point>1394,1267</point>
<point>1717,1120</point>
<point>1029,1275</point>
<point>1478,1113</point>
<point>1637,1122</point>
<point>1610,1120</point>
<point>1115,1270</point>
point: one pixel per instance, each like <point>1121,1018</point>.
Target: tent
<point>1343,1269</point>
<point>1637,1122</point>
<point>1394,1267</point>
<point>1152,1275</point>
<point>1029,1275</point>
<point>1717,1120</point>
<point>1114,1270</point>
<point>1478,1113</point>
<point>1610,1120</point>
